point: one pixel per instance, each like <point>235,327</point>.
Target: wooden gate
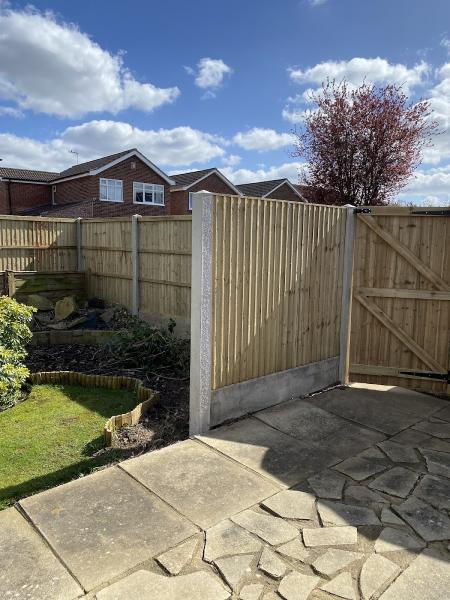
<point>400,328</point>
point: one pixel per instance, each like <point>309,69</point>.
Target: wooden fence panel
<point>401,305</point>
<point>277,286</point>
<point>37,244</point>
<point>165,249</point>
<point>106,258</point>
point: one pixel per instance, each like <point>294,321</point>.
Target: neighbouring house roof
<point>91,165</point>
<point>261,189</point>
<point>27,175</point>
<point>183,181</point>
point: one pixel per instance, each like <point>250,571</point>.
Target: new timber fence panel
<point>157,266</point>
<point>401,307</point>
<point>37,244</point>
<point>276,299</point>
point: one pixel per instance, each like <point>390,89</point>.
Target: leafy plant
<point>14,335</point>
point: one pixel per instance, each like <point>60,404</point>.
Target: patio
<point>342,494</point>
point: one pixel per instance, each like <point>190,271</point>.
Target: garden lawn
<point>52,437</point>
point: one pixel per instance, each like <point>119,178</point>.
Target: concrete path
<point>342,495</point>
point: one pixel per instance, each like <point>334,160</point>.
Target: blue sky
<point>208,83</point>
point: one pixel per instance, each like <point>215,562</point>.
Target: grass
<point>52,437</point>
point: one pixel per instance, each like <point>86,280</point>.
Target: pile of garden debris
<point>69,313</point>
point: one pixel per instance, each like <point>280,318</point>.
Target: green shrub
<point>14,335</point>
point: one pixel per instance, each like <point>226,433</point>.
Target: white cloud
<point>51,67</point>
<point>317,2</point>
<point>358,70</point>
<point>166,147</point>
<point>262,139</point>
<point>10,111</point>
<point>210,75</point>
<point>231,160</point>
<point>289,170</point>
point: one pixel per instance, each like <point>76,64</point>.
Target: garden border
<point>147,396</point>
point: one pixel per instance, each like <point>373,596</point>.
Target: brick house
<point>120,184</point>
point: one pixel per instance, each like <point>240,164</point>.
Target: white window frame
<point>110,183</point>
<point>146,188</point>
<point>190,200</point>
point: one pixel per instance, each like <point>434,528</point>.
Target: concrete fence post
<point>201,312</point>
<point>347,286</point>
<point>79,245</point>
<point>135,264</point>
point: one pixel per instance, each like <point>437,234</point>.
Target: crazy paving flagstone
<point>392,540</point>
<point>235,568</point>
<point>375,575</point>
<point>328,484</point>
<point>434,490</point>
<point>292,504</point>
<point>335,513</point>
<point>271,564</point>
<point>228,538</point>
<point>272,530</point>
<point>174,560</point>
<point>429,523</point>
<point>297,586</point>
<point>396,482</point>
<point>330,536</point>
<point>359,468</point>
<point>335,560</point>
<point>426,578</point>
<point>341,586</point>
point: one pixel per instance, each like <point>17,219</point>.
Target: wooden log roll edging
<point>146,396</point>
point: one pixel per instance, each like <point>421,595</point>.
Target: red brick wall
<point>179,201</point>
<point>88,188</point>
<point>4,208</point>
<point>284,192</point>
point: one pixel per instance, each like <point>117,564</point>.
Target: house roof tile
<point>258,189</point>
<point>27,175</point>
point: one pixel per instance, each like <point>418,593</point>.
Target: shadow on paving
<point>357,450</point>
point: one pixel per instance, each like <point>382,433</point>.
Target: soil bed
<point>166,423</point>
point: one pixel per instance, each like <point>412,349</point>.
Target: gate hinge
<point>360,210</point>
<point>443,212</point>
<point>428,375</point>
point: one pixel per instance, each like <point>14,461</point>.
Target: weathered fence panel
<point>37,244</point>
<point>401,298</point>
<point>274,320</point>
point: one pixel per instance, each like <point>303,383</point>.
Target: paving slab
<point>434,490</point>
<point>104,524</point>
<point>330,536</point>
<point>252,591</point>
<point>200,483</point>
<point>444,413</point>
<point>392,540</point>
<point>428,576</point>
<point>335,560</point>
<point>396,482</point>
<point>433,443</point>
<point>439,430</point>
<point>294,549</point>
<point>341,586</point>
<point>297,586</point>
<point>362,495</point>
<point>268,451</point>
<point>429,523</point>
<point>272,530</point>
<point>227,538</point>
<point>399,452</point>
<point>410,437</point>
<point>327,484</point>
<point>376,573</point>
<point>301,420</point>
<point>336,513</point>
<point>143,584</point>
<point>292,504</point>
<point>390,518</point>
<point>359,468</point>
<point>28,568</point>
<point>175,559</point>
<point>371,408</point>
<point>352,439</point>
<point>271,564</point>
<point>438,463</point>
<point>235,568</point>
